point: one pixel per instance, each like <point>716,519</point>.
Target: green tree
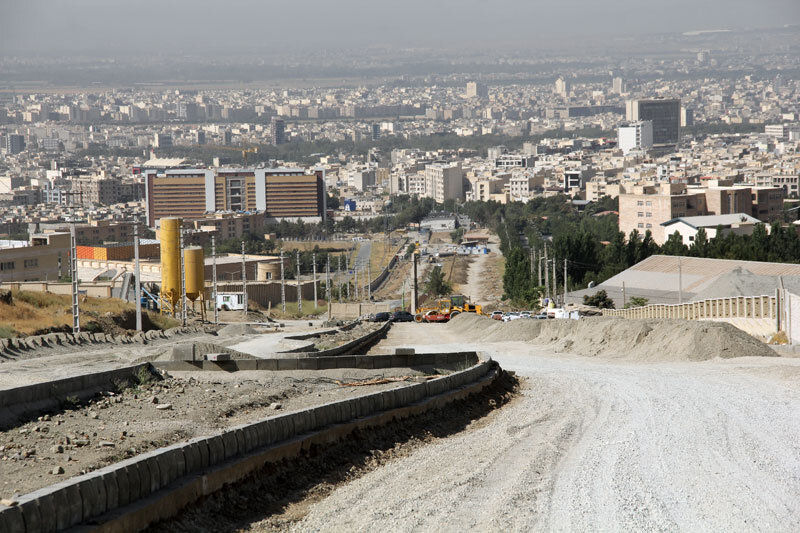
<point>599,299</point>
<point>435,284</point>
<point>674,245</point>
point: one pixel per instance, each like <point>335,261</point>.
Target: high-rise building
<point>227,137</point>
<point>376,131</point>
<point>278,131</point>
<point>562,87</point>
<point>477,90</point>
<point>664,113</point>
<point>687,117</point>
<point>635,136</point>
<point>444,182</point>
<point>618,85</point>
<point>162,140</point>
<point>192,193</point>
<point>15,143</point>
<point>200,137</point>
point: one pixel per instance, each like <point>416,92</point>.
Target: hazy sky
<point>114,26</point>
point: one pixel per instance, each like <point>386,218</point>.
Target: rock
<point>154,399</point>
<point>106,444</point>
<point>275,406</point>
<point>57,449</point>
<point>93,415</point>
<point>164,406</point>
<point>58,470</point>
<point>81,442</point>
<point>8,502</point>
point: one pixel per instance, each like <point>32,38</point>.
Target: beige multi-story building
<point>597,188</point>
<point>46,257</point>
<point>647,207</point>
<point>444,182</point>
<point>486,189</point>
<point>193,193</point>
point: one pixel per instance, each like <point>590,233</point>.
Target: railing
<point>733,307</point>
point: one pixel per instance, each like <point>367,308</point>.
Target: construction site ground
<point>143,416</point>
<point>612,443</point>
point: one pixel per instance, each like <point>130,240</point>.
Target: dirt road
<point>596,444</point>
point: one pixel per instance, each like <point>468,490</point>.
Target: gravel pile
<point>639,340</point>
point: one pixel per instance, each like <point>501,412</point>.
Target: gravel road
<point>596,444</point>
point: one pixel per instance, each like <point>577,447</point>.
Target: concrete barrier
<point>29,400</point>
<point>16,346</point>
<point>130,495</point>
<point>359,344</point>
<point>454,360</point>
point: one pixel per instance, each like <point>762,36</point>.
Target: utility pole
<point>299,287</point>
<point>328,284</point>
<point>314,267</point>
<point>414,293</point>
<point>347,279</point>
<point>555,282</point>
<point>73,268</point>
<point>565,282</point>
<point>531,256</point>
<point>183,281</point>
<point>355,279</point>
<point>680,282</point>
<point>214,278</point>
<point>369,282</point>
<point>283,285</point>
<point>136,273</point>
<point>244,281</point>
<point>546,274</point>
<point>624,296</point>
<point>540,270</point>
<point>339,276</point>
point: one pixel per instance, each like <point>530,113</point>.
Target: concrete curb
<point>134,493</point>
<point>455,360</point>
<point>28,400</point>
<point>367,341</point>
<point>14,347</point>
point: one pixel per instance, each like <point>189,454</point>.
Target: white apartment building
<point>444,181</point>
<point>636,136</point>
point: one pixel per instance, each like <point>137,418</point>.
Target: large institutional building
<point>665,114</point>
<point>194,193</point>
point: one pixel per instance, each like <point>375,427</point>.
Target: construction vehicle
<point>447,308</point>
<point>243,149</point>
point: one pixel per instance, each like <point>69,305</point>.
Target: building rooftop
<point>711,221</point>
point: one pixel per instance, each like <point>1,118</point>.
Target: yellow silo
<point>170,237</point>
<point>193,261</point>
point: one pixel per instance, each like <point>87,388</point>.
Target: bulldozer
<point>447,308</point>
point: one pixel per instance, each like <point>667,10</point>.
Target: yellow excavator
<point>447,308</point>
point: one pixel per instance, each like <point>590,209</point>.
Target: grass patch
<point>291,310</point>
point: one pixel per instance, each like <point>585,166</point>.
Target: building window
<point>30,263</point>
<point>649,204</point>
<point>649,214</point>
<point>640,214</point>
<point>640,202</point>
<point>649,226</point>
<point>8,265</point>
<point>641,225</point>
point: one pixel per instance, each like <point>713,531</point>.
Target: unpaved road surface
<point>594,444</point>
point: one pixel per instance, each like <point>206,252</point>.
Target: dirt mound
<point>639,340</point>
<point>237,330</point>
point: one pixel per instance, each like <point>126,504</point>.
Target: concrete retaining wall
<point>455,360</point>
<point>160,483</point>
<point>360,343</point>
<point>28,400</point>
<point>16,346</point>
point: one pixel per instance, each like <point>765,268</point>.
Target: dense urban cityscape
<point>452,279</point>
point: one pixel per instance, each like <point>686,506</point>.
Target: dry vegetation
<point>456,270</point>
<point>31,313</point>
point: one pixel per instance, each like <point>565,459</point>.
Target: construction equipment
<point>447,308</point>
<point>243,149</point>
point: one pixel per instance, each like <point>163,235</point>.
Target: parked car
<point>540,316</point>
<point>402,316</point>
<point>512,316</point>
<point>497,315</point>
<point>381,317</point>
